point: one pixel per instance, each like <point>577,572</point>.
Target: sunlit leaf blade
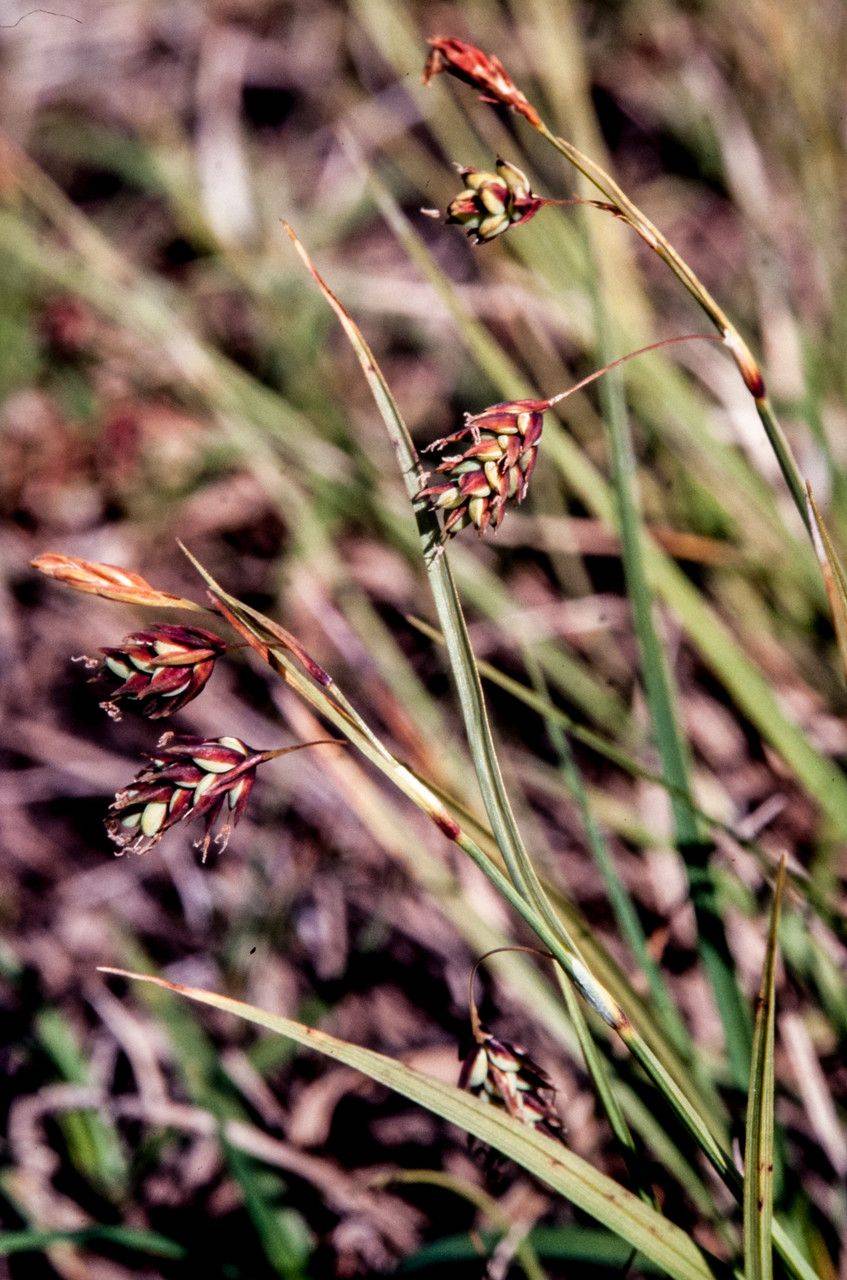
<point>566,1173</point>
<point>832,571</point>
<point>759,1148</point>
<point>675,1093</point>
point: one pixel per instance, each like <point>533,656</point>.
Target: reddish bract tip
<point>482,71</point>
<point>107,580</point>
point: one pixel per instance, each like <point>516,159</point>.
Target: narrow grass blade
<point>693,846</point>
<point>93,1141</point>
<point>34,1240</point>
<point>832,571</point>
<point>759,1145</point>
<point>566,1173</point>
<point>616,891</point>
<point>481,1200</point>
<point>588,1247</point>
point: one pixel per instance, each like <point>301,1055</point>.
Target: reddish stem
<point>652,346</point>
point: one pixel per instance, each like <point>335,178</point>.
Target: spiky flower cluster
<point>492,470</point>
<point>159,670</point>
<point>187,777</point>
<point>155,672</point>
<point>493,202</point>
<point>505,1075</point>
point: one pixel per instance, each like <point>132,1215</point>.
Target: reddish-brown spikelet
<point>492,470</point>
<point>187,777</point>
<point>505,1075</point>
<point>159,670</point>
<point>493,202</point>
<point>481,71</point>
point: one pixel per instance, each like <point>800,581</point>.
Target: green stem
<point>735,344</point>
<point>619,898</point>
<point>690,839</point>
<point>784,456</point>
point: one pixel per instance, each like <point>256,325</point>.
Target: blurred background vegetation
<point>168,370</point>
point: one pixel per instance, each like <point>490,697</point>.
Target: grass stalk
<point>735,344</point>
<point>620,900</point>
<point>690,840</point>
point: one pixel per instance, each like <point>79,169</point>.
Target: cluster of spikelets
<point>504,1075</point>
<point>493,202</point>
<point>493,469</point>
<point>155,673</point>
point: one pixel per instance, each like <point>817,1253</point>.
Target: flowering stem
<point>741,353</point>
<point>496,951</point>
<point>639,351</point>
<point>299,746</point>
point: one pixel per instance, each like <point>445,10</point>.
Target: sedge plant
<point>480,472</point>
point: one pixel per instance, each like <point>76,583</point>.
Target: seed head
<point>505,1075</point>
<point>481,71</point>
<point>187,777</point>
<point>493,202</point>
<point>493,469</point>
<point>159,670</point>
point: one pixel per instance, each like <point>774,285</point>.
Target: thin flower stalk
<point>473,485</point>
<point>503,1073</point>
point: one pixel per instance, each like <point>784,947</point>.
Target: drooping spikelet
<point>505,1075</point>
<point>158,670</point>
<point>494,468</point>
<point>187,777</point>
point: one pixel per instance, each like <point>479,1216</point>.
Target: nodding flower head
<point>187,777</point>
<point>482,71</point>
<point>505,1075</point>
<point>493,202</point>
<point>494,468</point>
<point>159,670</point>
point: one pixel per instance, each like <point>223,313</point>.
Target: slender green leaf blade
<point>34,1240</point>
<point>759,1148</point>
<point>572,1177</point>
<point>832,572</point>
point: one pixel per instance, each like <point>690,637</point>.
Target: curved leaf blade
<point>566,1173</point>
